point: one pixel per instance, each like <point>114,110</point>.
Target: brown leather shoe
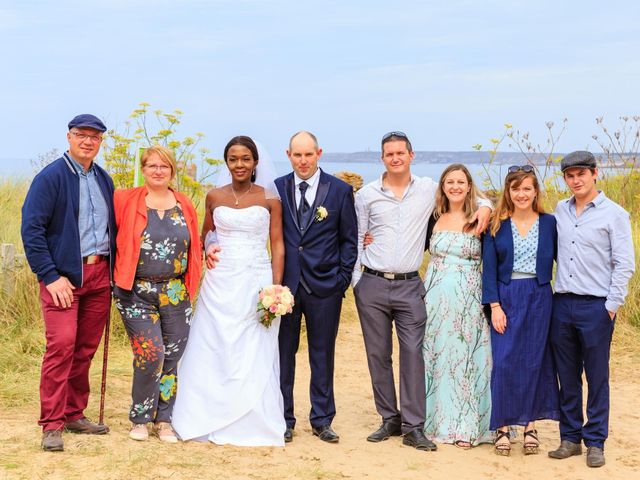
<point>595,457</point>
<point>565,450</point>
<point>52,441</point>
<point>84,425</point>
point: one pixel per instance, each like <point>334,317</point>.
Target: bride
<point>229,390</point>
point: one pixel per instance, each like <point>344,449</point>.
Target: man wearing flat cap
<point>595,263</point>
<point>68,231</point>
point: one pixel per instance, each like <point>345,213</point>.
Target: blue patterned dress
<point>457,352</point>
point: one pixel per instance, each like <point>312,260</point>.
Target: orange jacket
<point>131,220</point>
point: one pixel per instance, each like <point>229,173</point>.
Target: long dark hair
<point>245,142</point>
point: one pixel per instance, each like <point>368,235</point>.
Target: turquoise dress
<point>456,348</point>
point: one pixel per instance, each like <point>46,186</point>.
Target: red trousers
<point>73,335</point>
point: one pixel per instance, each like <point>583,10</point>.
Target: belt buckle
<point>92,259</point>
<point>389,276</point>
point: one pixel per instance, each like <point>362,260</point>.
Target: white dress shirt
<point>310,194</point>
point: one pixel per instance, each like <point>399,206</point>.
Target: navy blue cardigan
<point>497,256</point>
<point>50,221</point>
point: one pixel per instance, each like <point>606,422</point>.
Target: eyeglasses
<point>524,168</point>
<point>163,168</point>
<point>394,134</point>
<point>83,136</point>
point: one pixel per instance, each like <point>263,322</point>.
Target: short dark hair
<point>396,137</point>
<point>245,142</point>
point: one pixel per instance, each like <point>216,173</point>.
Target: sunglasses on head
<point>523,168</point>
<point>394,134</point>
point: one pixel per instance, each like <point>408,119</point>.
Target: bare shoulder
<point>274,204</point>
<point>215,193</point>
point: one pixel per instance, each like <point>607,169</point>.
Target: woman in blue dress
<point>456,348</point>
<point>518,259</point>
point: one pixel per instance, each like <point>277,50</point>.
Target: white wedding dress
<point>229,376</point>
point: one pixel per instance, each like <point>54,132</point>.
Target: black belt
<point>580,297</point>
<point>391,276</point>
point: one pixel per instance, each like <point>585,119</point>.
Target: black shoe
<point>595,457</point>
<point>388,428</point>
<point>415,438</point>
<point>288,435</point>
<point>566,450</point>
<point>326,434</point>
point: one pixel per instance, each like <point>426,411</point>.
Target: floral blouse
<point>164,246</point>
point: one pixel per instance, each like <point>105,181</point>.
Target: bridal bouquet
<point>274,301</point>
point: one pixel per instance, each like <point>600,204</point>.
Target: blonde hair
<point>470,202</point>
<point>165,154</point>
<point>505,206</point>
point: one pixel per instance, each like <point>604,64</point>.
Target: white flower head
<point>321,213</point>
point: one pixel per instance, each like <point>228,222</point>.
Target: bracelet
<point>496,306</point>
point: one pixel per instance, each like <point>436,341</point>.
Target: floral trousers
<point>157,316</point>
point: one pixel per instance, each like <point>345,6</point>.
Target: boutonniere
<point>321,213</point>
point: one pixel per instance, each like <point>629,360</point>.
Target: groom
<point>320,234</point>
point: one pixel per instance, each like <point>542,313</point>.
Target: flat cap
<point>86,120</point>
<point>578,159</point>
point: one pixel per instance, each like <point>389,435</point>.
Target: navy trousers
<point>581,332</point>
<point>322,317</point>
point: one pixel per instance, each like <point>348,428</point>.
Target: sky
<point>449,74</point>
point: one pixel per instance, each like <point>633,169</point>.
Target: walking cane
<point>103,384</point>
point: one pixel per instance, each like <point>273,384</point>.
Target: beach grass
<point>21,327</point>
<point>22,340</point>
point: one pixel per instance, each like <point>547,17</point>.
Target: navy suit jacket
<point>497,256</point>
<point>323,251</point>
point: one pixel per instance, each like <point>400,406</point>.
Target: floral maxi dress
<point>456,348</point>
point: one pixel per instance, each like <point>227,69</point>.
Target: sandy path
<point>114,456</point>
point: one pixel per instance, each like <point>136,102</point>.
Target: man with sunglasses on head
<point>395,210</point>
<point>68,232</point>
<point>594,265</point>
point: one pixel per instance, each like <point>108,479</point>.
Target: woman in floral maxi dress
<point>456,348</point>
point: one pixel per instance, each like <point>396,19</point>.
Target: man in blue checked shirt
<point>595,263</point>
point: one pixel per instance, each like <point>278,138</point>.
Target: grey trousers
<point>380,302</point>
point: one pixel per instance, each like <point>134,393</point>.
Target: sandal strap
<point>500,434</point>
<point>533,434</point>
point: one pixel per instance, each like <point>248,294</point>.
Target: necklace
<point>241,196</point>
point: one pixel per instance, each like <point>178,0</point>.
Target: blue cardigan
<point>497,256</point>
<point>50,222</point>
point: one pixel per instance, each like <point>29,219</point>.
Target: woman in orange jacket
<point>157,270</point>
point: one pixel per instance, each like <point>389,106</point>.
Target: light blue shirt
<point>525,249</point>
<point>595,250</point>
<point>93,213</point>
